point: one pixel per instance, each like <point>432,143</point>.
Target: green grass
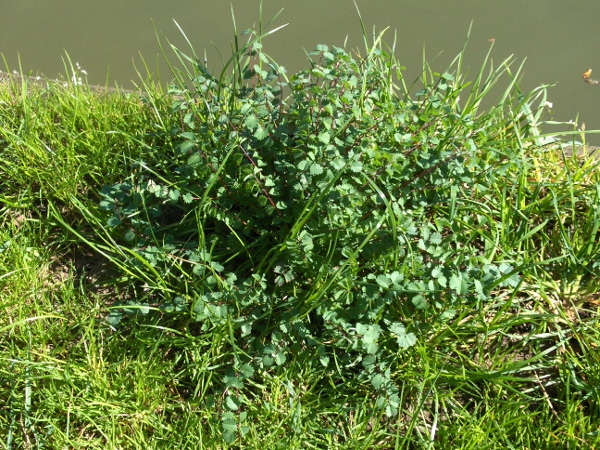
<point>518,368</point>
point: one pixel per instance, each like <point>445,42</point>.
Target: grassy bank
<point>330,259</point>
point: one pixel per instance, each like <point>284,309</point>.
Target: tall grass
<point>317,260</point>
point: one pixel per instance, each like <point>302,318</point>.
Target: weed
<point>327,259</point>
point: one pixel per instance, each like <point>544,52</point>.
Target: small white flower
<point>83,72</point>
<point>548,105</point>
<point>15,72</point>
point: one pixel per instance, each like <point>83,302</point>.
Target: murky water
<point>559,38</point>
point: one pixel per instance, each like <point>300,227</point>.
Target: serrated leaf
<point>397,328</point>
<point>396,277</point>
<point>216,266</point>
<point>324,137</point>
<point>113,221</point>
<point>232,381</point>
<point>307,243</point>
<point>232,402</point>
<point>194,160</point>
<point>384,281</point>
<point>372,333</point>
<point>371,347</point>
<point>229,436</point>
<point>316,169</point>
<point>456,282</point>
<point>129,236</point>
<point>260,133</point>
<point>436,238</point>
<point>251,122</point>
<point>107,205</point>
<point>356,166</point>
<point>337,164</point>
<point>478,287</point>
<point>361,329</point>
<point>229,417</point>
<point>246,329</point>
<point>268,360</point>
<point>188,198</point>
<point>280,358</point>
<point>369,361</point>
<point>247,370</point>
<point>328,55</point>
<point>188,135</point>
<point>377,380</point>
<point>419,302</point>
<point>186,146</point>
<point>406,340</point>
<point>447,315</point>
<point>114,317</point>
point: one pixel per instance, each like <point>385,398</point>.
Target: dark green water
<point>558,38</point>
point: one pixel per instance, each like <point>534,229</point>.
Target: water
<point>557,38</point>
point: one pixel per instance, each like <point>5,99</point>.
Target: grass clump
<point>325,260</point>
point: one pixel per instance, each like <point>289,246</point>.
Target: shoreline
<point>583,151</point>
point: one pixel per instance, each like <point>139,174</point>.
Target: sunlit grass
<point>518,370</point>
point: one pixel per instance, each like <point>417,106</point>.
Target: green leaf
<point>478,287</point>
<point>280,358</point>
<point>247,370</point>
<point>396,277</point>
<point>442,280</point>
<point>251,122</point>
<point>356,166</point>
<point>436,238</point>
<point>324,137</point>
<point>260,133</point>
<point>307,243</point>
<point>406,340</point>
<point>233,381</point>
<point>230,427</point>
<point>377,380</point>
<point>232,403</point>
<point>186,146</point>
<point>113,221</point>
<point>419,302</point>
<point>337,163</point>
<point>108,205</point>
<point>369,361</point>
<point>115,316</point>
<point>268,360</point>
<point>316,169</point>
<point>456,283</point>
<point>384,281</point>
<point>195,159</point>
